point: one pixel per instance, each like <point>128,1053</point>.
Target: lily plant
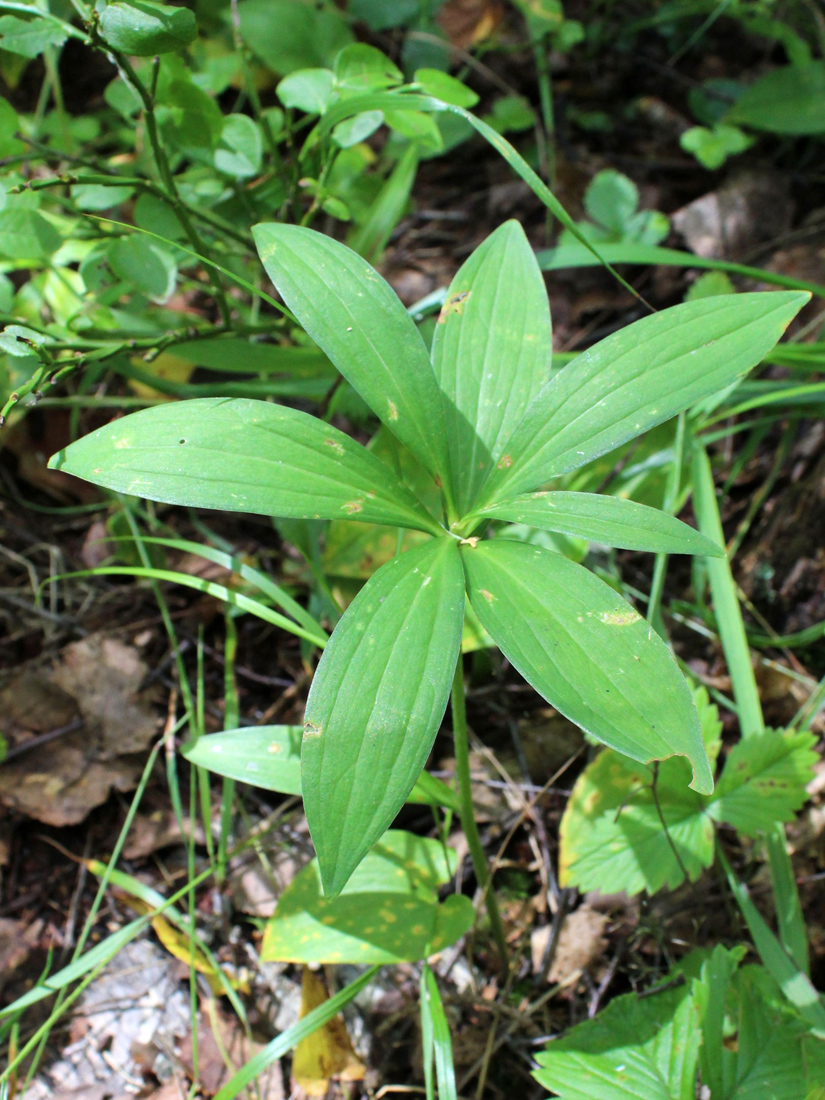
<point>493,425</point>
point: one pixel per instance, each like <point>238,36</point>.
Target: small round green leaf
<point>362,68</point>
<point>240,148</point>
<point>143,28</point>
<point>358,128</point>
<point>307,90</point>
<point>446,87</point>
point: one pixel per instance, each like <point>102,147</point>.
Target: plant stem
<point>790,920</point>
<point>467,814</point>
<point>166,176</point>
<point>540,49</point>
<point>654,607</point>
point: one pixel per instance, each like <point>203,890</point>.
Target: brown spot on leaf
<point>454,304</point>
<point>353,506</point>
<point>505,462</point>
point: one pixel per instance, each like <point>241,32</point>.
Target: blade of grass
<point>730,624</point>
<point>293,1035</point>
<point>794,982</point>
<point>557,259</point>
<point>435,1039</point>
<point>249,573</point>
<point>210,588</point>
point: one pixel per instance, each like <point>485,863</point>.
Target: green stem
<point>546,102</point>
<point>467,813</point>
<point>654,607</point>
<point>168,179</point>
<point>734,640</point>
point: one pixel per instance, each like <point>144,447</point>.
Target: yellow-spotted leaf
<point>491,353</point>
<point>388,912</point>
<point>357,319</point>
<point>605,519</point>
<point>587,651</point>
<point>243,456</point>
<point>376,703</point>
<point>637,378</point>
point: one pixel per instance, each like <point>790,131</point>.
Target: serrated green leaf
<point>637,378</point>
<point>774,1056</point>
<point>307,90</point>
<point>633,1050</point>
<point>143,28</point>
<point>764,780</point>
<point>30,37</point>
<point>240,147</point>
<point>388,912</point>
<point>354,316</point>
<point>612,838</point>
<point>611,200</point>
<point>491,353</point>
<point>376,702</point>
<point>270,757</point>
<point>586,651</point>
<point>191,120</point>
<point>606,519</point>
<point>243,456</point>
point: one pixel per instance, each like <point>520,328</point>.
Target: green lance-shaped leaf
<point>491,353</point>
<point>606,519</point>
<point>270,757</point>
<point>243,456</point>
<point>637,378</point>
<point>356,318</point>
<point>376,702</point>
<point>586,651</point>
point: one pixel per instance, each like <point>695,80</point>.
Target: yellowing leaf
<point>327,1053</point>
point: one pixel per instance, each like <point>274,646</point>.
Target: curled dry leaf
<point>327,1053</point>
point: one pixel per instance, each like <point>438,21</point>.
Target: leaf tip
<point>702,781</point>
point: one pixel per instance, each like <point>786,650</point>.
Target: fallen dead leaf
<point>581,943</point>
<point>157,828</point>
<point>467,22</point>
<point>750,208</point>
<point>18,938</point>
<point>92,686</point>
